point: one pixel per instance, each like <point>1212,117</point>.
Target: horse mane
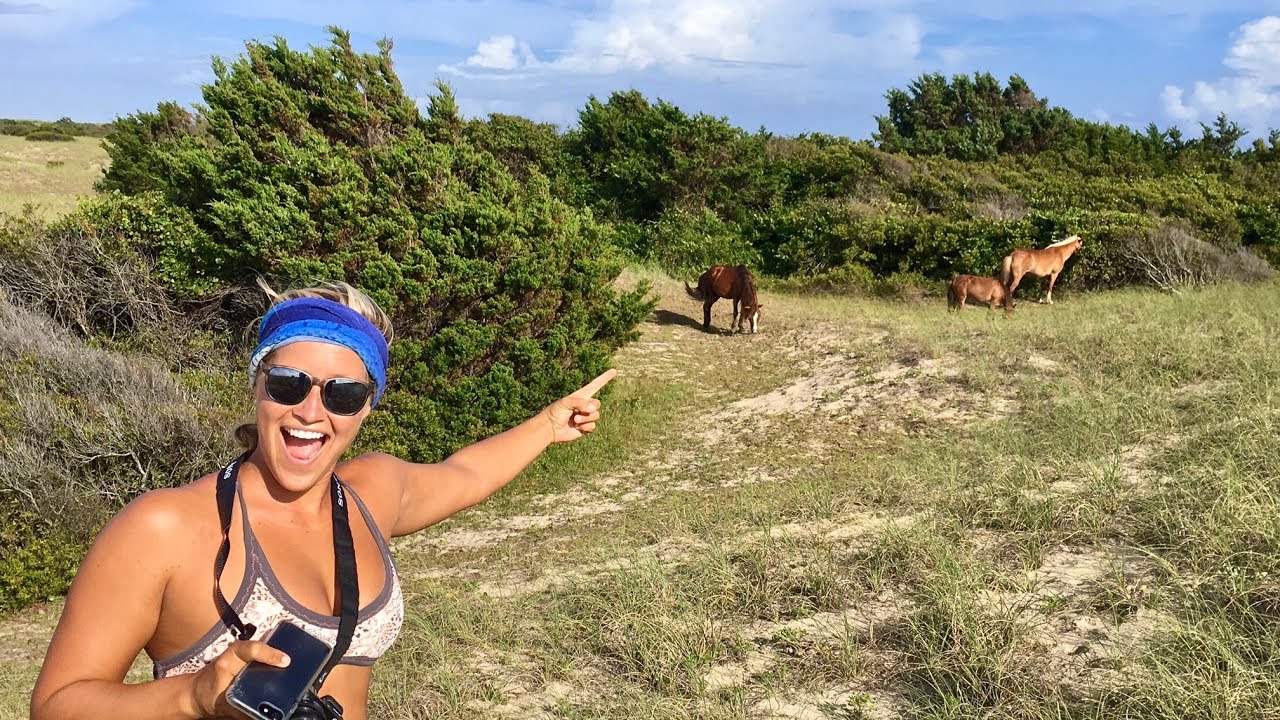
<point>1060,243</point>
<point>748,285</point>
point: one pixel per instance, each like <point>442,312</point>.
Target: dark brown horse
<point>979,289</point>
<point>734,283</point>
<point>1048,261</point>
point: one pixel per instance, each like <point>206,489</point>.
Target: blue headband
<point>318,320</point>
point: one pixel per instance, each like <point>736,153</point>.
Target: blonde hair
<point>337,291</point>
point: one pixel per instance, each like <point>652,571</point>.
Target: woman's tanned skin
<point>146,584</point>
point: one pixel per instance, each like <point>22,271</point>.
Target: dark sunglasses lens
<point>345,397</point>
<point>287,386</point>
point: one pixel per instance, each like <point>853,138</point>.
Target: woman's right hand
<point>209,684</point>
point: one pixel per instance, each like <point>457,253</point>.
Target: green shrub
<point>305,166</point>
<point>687,242</point>
<point>65,126</point>
<point>48,136</point>
<point>38,559</point>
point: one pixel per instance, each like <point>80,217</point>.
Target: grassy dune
<point>871,510</point>
<point>50,175</point>
<point>880,510</point>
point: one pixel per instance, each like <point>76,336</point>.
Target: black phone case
<point>271,693</point>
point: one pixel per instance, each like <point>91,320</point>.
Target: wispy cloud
<point>22,8</point>
<point>40,18</point>
<point>1251,95</point>
<point>688,36</point>
<point>453,22</point>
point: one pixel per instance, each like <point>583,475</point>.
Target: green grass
<point>858,549</point>
<point>49,175</point>
<point>1188,379</point>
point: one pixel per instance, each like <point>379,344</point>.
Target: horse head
<point>751,314</point>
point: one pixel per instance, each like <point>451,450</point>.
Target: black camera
<point>317,708</point>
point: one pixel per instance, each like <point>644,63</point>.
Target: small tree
<point>1221,137</point>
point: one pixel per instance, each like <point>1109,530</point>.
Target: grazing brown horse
<point>734,283</point>
<point>979,289</point>
<point>1048,261</point>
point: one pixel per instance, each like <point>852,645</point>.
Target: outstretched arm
<point>431,493</point>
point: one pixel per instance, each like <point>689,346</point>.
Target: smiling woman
<point>273,524</point>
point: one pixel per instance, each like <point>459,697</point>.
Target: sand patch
<point>504,528</point>
<point>1087,614</point>
<point>1043,364</point>
<point>903,395</point>
<point>835,703</point>
<point>525,692</point>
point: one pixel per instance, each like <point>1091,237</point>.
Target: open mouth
<point>302,446</point>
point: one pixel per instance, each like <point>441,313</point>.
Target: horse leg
<point>737,319</point>
<point>706,312</point>
<point>1017,278</point>
<point>1053,277</point>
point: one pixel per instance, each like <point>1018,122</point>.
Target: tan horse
<point>1048,261</point>
<point>735,283</point>
<point>979,289</point>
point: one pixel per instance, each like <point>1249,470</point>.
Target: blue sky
<point>789,65</point>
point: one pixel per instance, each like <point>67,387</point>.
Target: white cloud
<point>1256,53</point>
<point>36,18</point>
<point>1250,97</point>
<point>498,53</point>
<point>638,34</point>
<point>693,36</point>
<point>1174,107</point>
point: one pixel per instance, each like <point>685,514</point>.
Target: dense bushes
<point>48,136</point>
<point>966,171</point>
<point>83,431</point>
<point>63,126</point>
<point>90,415</point>
<point>314,165</point>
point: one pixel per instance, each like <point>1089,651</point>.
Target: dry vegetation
<point>871,510</point>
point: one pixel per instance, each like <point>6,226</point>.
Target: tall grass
<point>822,563</point>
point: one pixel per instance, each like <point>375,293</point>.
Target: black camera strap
<point>344,565</point>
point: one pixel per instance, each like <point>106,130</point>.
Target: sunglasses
<point>341,396</point>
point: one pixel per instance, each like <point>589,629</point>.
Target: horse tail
<point>1006,271</point>
<point>695,294</point>
<point>951,295</point>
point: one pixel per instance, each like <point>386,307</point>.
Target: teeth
<point>304,434</point>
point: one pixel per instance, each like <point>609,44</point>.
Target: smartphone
<point>266,692</point>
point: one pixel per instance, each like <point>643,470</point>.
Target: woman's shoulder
<point>370,469</point>
<point>176,512</point>
<point>377,479</point>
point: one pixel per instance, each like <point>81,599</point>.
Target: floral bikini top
<point>263,602</point>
